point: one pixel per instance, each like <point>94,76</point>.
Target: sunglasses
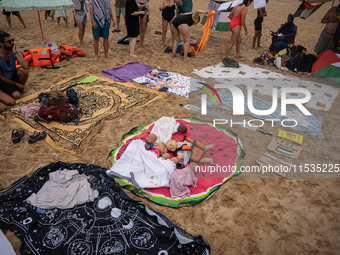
<point>9,41</point>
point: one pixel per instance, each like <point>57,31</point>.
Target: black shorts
<point>9,13</point>
<point>9,89</point>
<point>258,23</point>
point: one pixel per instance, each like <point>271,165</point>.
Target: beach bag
<point>124,40</point>
<point>191,51</point>
<point>283,52</point>
<point>52,45</point>
<point>73,97</point>
<point>64,113</point>
<point>55,98</point>
<point>229,62</point>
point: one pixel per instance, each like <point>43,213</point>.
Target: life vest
<point>70,51</point>
<point>196,149</point>
<point>41,56</point>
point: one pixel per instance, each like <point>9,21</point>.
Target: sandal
<point>168,50</point>
<point>37,136</point>
<point>17,135</point>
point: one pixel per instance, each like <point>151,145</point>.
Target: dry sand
<point>246,215</point>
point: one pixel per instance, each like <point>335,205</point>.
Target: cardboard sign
<point>291,136</point>
<point>284,148</point>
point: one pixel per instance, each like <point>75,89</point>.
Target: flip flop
<point>115,30</point>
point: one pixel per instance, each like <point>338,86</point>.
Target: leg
<point>81,31</point>
<point>66,22</point>
<point>176,39</point>
<point>255,37</point>
<point>23,75</point>
<point>95,46</point>
<point>21,20</point>
<point>16,95</point>
<point>184,29</point>
<point>142,24</point>
<point>58,22</point>
<point>234,36</point>
<point>259,38</point>
<point>46,16</point>
<point>106,46</point>
<point>209,147</point>
<point>207,160</point>
<point>8,18</point>
<point>132,45</point>
<point>118,21</point>
<point>238,45</point>
<point>164,31</point>
<point>5,100</point>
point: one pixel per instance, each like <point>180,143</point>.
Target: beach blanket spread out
<point>114,224</point>
<point>143,167</point>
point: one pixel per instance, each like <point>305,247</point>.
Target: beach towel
<point>127,72</point>
<point>228,149</point>
<point>113,224</point>
<point>143,167</point>
<point>99,100</point>
<point>313,128</point>
<point>172,82</point>
<point>263,81</point>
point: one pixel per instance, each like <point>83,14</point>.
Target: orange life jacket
<point>41,56</point>
<point>70,51</point>
<point>28,57</point>
<point>196,149</point>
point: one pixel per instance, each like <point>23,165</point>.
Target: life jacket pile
<point>70,52</point>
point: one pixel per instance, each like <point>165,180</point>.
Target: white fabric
<point>64,189</point>
<point>225,6</point>
<point>175,130</point>
<point>6,246</point>
<point>163,129</point>
<point>143,167</point>
<point>277,63</point>
<point>259,4</point>
<point>299,117</point>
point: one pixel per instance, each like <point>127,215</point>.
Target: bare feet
<point>133,56</point>
<point>96,58</point>
<point>107,56</point>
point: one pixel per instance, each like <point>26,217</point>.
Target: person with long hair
<point>238,20</point>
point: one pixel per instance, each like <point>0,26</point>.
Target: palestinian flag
<point>306,9</point>
<point>328,65</point>
<point>222,24</point>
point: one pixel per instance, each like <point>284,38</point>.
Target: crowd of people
<point>176,13</point>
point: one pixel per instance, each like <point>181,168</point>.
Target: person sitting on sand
<point>167,7</point>
<point>285,33</point>
<point>180,26</point>
<point>238,20</point>
<point>12,79</point>
<point>101,16</point>
<point>132,24</point>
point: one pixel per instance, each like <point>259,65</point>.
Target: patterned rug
<point>98,100</point>
<point>114,224</point>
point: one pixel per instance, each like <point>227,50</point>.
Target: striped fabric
<point>101,10</point>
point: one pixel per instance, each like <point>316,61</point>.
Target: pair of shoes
<point>25,26</point>
<point>11,28</point>
<point>37,136</point>
<point>115,30</point>
<point>17,135</point>
<point>168,50</point>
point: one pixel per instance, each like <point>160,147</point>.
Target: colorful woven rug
<point>98,100</point>
<point>228,149</point>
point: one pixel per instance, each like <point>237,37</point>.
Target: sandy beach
<point>259,215</point>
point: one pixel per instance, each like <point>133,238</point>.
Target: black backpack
<point>336,38</point>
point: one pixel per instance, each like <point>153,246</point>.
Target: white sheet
<point>6,246</point>
<point>143,167</point>
<point>163,129</point>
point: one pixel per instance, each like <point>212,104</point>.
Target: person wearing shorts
<point>12,79</point>
<point>101,17</point>
<point>119,9</point>
<point>8,18</point>
<point>261,12</point>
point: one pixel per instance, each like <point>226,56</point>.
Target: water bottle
<point>44,101</point>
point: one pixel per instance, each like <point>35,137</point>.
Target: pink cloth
<point>180,182</point>
<point>28,110</point>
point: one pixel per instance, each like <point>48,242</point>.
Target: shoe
<point>25,26</point>
<point>37,136</point>
<point>17,135</point>
<point>75,25</point>
<point>53,19</point>
<point>11,28</point>
<point>168,50</point>
<point>45,20</point>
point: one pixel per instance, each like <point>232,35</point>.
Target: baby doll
<point>190,149</point>
<point>179,128</point>
<point>150,140</point>
<point>166,155</point>
<point>160,149</point>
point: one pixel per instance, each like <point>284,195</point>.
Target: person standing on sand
<point>8,18</point>
<point>185,7</point>
<point>132,24</point>
<point>80,17</point>
<point>180,26</point>
<point>101,16</point>
<point>167,7</point>
<point>119,9</point>
<point>143,5</point>
<point>261,12</point>
<point>238,19</point>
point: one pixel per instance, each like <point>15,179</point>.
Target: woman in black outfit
<point>181,27</point>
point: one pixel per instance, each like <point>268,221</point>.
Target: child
<point>190,150</point>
